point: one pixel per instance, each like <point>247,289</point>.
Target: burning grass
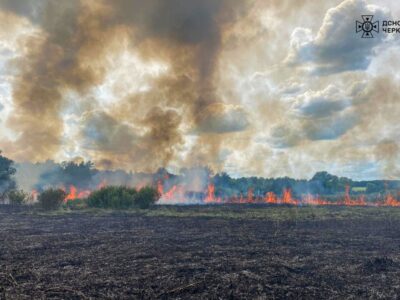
<point>123,197</point>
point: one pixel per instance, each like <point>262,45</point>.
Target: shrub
<point>146,197</point>
<point>51,199</point>
<point>116,197</point>
<point>120,197</point>
<point>7,172</point>
<point>17,197</point>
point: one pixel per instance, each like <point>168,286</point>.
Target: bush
<point>51,199</point>
<point>120,197</point>
<point>146,197</point>
<point>116,197</point>
<point>17,197</point>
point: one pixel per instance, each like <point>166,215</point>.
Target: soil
<point>123,255</point>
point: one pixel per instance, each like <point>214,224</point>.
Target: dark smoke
<point>69,55</point>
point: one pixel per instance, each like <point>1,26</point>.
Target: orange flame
<point>287,198</point>
<point>391,201</point>
<point>271,198</point>
<point>177,195</point>
<point>160,187</point>
<point>75,194</point>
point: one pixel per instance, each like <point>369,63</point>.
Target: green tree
<point>17,197</point>
<point>70,173</point>
<point>146,197</point>
<point>79,174</point>
<point>7,172</point>
<point>51,199</point>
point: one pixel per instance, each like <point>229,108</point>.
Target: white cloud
<point>315,115</point>
<point>319,104</point>
<point>336,47</point>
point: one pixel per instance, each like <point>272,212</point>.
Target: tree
<point>70,173</point>
<point>325,183</point>
<point>51,199</point>
<point>17,197</point>
<point>78,174</point>
<point>7,172</point>
<point>146,197</point>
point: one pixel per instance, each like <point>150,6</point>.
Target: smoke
<point>29,176</point>
<point>388,152</point>
<point>83,176</point>
<point>53,62</point>
<point>138,85</point>
<point>71,54</point>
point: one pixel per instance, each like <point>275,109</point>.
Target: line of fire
<point>178,195</point>
<point>197,186</point>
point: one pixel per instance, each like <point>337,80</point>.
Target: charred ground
<point>238,251</point>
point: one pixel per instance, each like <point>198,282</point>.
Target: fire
<point>72,195</point>
<point>75,194</point>
<point>271,198</point>
<point>347,198</point>
<point>250,196</point>
<point>160,187</point>
<point>177,195</point>
<point>34,195</point>
<point>314,200</point>
<point>211,195</point>
<point>391,201</point>
<point>287,198</point>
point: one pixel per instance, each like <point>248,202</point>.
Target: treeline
<point>84,175</point>
<point>322,183</point>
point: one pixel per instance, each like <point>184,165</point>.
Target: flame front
<point>74,194</point>
<point>176,195</point>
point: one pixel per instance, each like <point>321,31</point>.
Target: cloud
<point>316,115</point>
<point>321,103</point>
<point>285,136</point>
<point>336,47</point>
<point>291,88</point>
<point>329,128</point>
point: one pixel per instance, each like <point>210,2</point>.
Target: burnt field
<point>201,252</point>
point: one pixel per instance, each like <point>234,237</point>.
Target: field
<point>236,251</point>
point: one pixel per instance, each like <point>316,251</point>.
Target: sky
<point>248,87</point>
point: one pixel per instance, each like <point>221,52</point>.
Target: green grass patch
<point>359,189</point>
